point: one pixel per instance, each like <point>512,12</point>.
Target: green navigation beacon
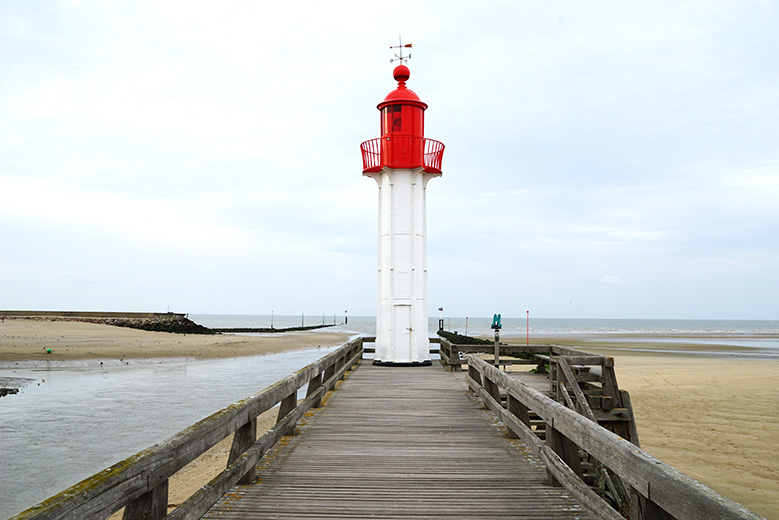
<point>496,326</point>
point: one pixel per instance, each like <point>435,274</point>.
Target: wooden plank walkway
<point>400,442</point>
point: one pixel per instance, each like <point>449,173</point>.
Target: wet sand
<point>713,418</point>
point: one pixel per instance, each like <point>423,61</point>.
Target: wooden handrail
<point>140,482</point>
<point>657,490</point>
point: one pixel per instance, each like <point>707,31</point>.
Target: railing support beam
<point>313,386</point>
<point>516,408</point>
<point>243,439</point>
<point>152,505</point>
<point>287,405</point>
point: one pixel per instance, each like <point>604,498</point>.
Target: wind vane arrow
<point>401,46</point>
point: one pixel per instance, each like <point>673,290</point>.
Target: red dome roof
<point>402,94</point>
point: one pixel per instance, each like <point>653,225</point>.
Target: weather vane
<point>400,57</point>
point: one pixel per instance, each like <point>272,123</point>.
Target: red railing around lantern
<point>372,161</point>
<point>371,155</point>
<point>434,155</point>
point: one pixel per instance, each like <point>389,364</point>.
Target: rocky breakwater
<point>177,324</point>
<point>460,339</point>
<point>159,322</point>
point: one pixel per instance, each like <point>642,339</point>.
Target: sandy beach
<point>30,340</point>
<point>713,418</point>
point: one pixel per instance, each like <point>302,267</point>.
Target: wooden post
<point>313,385</point>
<point>520,411</point>
<point>609,382</point>
<point>632,424</point>
<point>353,353</point>
<point>152,505</point>
<point>550,441</point>
<point>287,405</point>
<point>329,373</point>
<point>447,357</point>
<point>474,374</point>
<point>491,389</point>
<point>339,365</point>
<point>243,440</point>
<point>455,357</point>
<point>566,449</point>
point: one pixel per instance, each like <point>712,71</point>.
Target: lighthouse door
<point>403,333</point>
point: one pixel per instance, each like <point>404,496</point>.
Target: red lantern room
<point>402,143</point>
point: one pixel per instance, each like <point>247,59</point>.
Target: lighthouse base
<point>425,363</point>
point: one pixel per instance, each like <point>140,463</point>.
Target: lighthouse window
<point>396,111</point>
<point>386,120</point>
<point>390,119</point>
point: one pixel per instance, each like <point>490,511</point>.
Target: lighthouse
<point>402,161</point>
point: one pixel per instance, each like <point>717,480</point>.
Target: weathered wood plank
<point>556,466</point>
<point>581,402</point>
<point>400,442</point>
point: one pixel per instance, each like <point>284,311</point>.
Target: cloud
<point>159,223</point>
<point>612,279</point>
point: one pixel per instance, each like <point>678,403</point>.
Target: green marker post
<point>496,326</point>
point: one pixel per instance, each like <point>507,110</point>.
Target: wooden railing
<point>653,489</point>
<point>140,482</point>
<point>372,350</point>
<point>581,380</point>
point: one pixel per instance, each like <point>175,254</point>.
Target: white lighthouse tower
<point>402,161</point>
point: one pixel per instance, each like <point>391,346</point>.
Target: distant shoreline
<point>151,321</point>
<point>269,330</point>
<point>44,341</point>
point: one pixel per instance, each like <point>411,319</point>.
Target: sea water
<point>75,420</point>
<point>760,335</point>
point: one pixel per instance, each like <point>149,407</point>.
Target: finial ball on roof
<point>401,73</point>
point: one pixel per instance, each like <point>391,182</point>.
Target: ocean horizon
<point>760,335</point>
<point>479,326</point>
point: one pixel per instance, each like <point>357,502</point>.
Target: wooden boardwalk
<point>400,442</point>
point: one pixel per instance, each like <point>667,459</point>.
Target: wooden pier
<point>400,442</point>
<point>554,442</point>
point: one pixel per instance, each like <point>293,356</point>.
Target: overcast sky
<point>604,159</point>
